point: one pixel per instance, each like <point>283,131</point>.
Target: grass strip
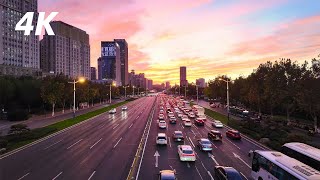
<point>19,140</point>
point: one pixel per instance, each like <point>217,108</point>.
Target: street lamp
<point>138,91</point>
<point>133,91</point>
<point>110,85</point>
<point>74,82</point>
<point>125,92</point>
<point>228,104</point>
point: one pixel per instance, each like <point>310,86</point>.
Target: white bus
<point>275,165</point>
<point>302,152</point>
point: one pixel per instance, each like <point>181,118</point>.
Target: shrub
<point>18,129</point>
<point>3,143</point>
<point>18,115</point>
<point>297,138</point>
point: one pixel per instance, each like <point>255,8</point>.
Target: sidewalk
<point>47,119</point>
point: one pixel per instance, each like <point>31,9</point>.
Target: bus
<point>302,152</point>
<point>198,110</point>
<point>276,165</point>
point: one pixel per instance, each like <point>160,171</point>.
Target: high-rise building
<point>201,82</point>
<point>183,76</point>
<point>67,52</point>
<point>93,73</point>
<point>150,84</point>
<point>19,54</point>
<point>123,45</point>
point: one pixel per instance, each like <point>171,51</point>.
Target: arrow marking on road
<point>214,160</point>
<point>237,156</point>
<point>188,165</point>
<point>156,154</point>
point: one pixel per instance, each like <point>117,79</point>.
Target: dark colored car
<point>199,122</point>
<point>178,136</point>
<point>204,144</point>
<point>167,175</point>
<point>234,134</point>
<point>226,173</point>
<point>215,135</point>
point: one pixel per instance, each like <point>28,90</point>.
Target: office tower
<point>67,52</point>
<point>93,73</point>
<point>19,54</point>
<point>109,62</point>
<point>201,82</point>
<point>150,84</point>
<point>168,85</point>
<point>123,45</point>
<point>183,76</point>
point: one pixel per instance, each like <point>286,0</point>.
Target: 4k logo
<point>42,22</point>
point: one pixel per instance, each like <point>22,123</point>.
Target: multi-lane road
<point>105,147</point>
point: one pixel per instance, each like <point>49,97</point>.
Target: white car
<point>161,111</point>
<point>187,122</point>
<point>191,115</point>
<point>217,124</point>
<point>161,117</point>
<point>170,114</point>
<point>186,153</point>
<point>162,124</point>
<point>161,139</point>
<point>113,111</point>
<point>124,108</point>
<point>180,115</point>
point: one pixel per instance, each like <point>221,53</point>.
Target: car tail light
<point>188,154</point>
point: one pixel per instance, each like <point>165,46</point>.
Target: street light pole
<point>185,92</point>
<point>125,92</point>
<point>228,103</point>
<point>197,94</point>
<point>74,82</point>
<point>110,93</point>
<point>133,91</point>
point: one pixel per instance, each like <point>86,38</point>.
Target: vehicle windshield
<point>205,142</point>
<point>187,151</point>
<point>233,176</point>
<point>178,134</point>
<point>161,137</point>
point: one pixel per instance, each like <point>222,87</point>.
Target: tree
<point>52,91</point>
<point>7,91</point>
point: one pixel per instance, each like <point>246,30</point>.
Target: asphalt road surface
<point>105,146</point>
<point>226,153</point>
<point>101,148</point>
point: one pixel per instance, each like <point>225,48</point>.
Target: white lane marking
<point>24,176</point>
<point>193,133</point>
<point>211,177</point>
<point>251,141</point>
<point>103,125</point>
<point>191,142</point>
<point>232,143</point>
<point>74,144</point>
<point>237,156</point>
<point>199,172</point>
<point>214,145</point>
<point>188,165</point>
<point>52,145</point>
<point>96,143</point>
<point>169,142</point>
<point>92,175</point>
<point>57,176</point>
<point>243,175</point>
<point>131,125</point>
<point>117,143</point>
<point>207,129</point>
<point>115,126</point>
<point>195,126</point>
<point>137,116</point>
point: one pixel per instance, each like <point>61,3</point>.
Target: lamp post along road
<point>228,103</point>
<point>125,92</point>
<point>133,91</point>
<point>74,82</point>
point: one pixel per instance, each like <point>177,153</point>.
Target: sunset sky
<point>210,37</point>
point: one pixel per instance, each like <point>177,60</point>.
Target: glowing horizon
<point>209,37</point>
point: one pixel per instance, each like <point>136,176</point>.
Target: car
<point>167,175</point>
<point>187,123</point>
<point>161,111</point>
<point>226,173</point>
<point>161,139</point>
<point>162,124</point>
<point>204,144</point>
<point>184,117</point>
<point>170,114</point>
<point>113,111</point>
<point>124,108</point>
<point>217,124</point>
<point>199,122</point>
<point>215,135</point>
<point>161,107</point>
<point>234,134</point>
<point>172,120</point>
<point>180,115</point>
<point>191,115</point>
<point>178,136</point>
<point>186,153</point>
<point>161,117</point>
<point>202,118</point>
